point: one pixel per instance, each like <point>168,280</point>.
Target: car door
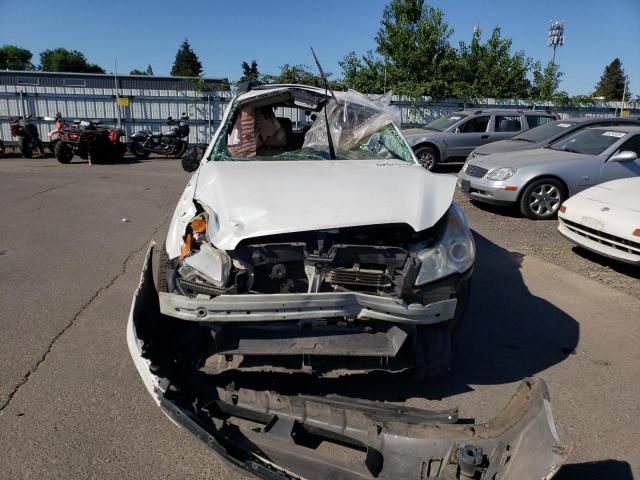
<point>470,134</point>
<point>612,170</point>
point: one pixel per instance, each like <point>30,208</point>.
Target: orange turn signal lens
<point>563,209</point>
<point>186,246</point>
<point>511,188</point>
<point>636,232</point>
<point>198,225</point>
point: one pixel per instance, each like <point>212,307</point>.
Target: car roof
<point>505,111</point>
<point>599,119</point>
<point>262,89</point>
<point>620,128</point>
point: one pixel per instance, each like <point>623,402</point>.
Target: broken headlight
<point>454,253</point>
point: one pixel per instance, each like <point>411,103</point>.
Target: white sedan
<point>605,219</point>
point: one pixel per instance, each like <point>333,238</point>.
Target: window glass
<point>537,120</point>
<point>442,123</point>
<point>590,141</point>
<point>28,81</point>
<point>545,132</point>
<point>507,124</point>
<point>477,124</point>
<point>75,82</point>
<point>633,144</point>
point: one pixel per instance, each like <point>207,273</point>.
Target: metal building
<point>145,101</point>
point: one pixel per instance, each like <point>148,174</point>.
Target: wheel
<point>1,147</point>
<point>117,152</point>
<point>138,151</point>
<point>163,270</point>
<point>25,147</point>
<point>63,152</point>
<point>100,149</point>
<point>542,199</point>
<point>428,157</point>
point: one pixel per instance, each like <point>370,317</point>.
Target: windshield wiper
<point>332,152</point>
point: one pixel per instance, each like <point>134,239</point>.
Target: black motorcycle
<point>172,142</point>
<point>28,136</point>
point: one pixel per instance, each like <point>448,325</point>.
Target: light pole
<point>556,37</point>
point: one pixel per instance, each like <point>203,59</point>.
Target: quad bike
<point>28,136</point>
<point>89,141</point>
<point>172,142</point>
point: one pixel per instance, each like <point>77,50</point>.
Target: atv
<point>90,142</point>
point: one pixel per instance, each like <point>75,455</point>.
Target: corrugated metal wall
<point>153,99</point>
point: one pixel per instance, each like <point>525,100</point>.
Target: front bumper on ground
<point>275,436</point>
<point>487,191</point>
<point>600,242</point>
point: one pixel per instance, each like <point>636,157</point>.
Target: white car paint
<point>605,219</point>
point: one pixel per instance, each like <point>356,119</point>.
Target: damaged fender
<point>275,436</point>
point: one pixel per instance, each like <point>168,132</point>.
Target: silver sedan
<point>539,180</point>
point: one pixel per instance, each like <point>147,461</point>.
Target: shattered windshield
<point>361,129</point>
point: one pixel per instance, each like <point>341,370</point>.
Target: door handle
<point>484,136</point>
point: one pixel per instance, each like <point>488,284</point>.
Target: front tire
<point>25,147</point>
<point>428,157</point>
<point>63,152</point>
<point>542,198</point>
<point>180,150</point>
<point>138,151</point>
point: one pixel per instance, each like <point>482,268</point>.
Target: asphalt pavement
<point>72,243</point>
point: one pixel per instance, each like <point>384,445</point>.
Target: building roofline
<point>157,77</point>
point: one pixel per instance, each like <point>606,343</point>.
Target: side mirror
<point>191,159</point>
<point>624,156</point>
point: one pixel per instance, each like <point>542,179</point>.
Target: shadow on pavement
<point>508,334</point>
<point>604,469</point>
<point>502,210</point>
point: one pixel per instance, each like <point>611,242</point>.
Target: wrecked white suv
<point>309,239</point>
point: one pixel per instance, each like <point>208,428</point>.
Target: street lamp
<point>556,37</point>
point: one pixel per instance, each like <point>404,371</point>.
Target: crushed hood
<point>257,198</point>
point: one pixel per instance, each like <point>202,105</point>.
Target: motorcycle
<point>172,142</point>
<point>28,136</point>
<point>90,141</point>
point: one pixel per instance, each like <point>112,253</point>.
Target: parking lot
<point>72,243</point>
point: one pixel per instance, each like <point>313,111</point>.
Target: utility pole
<point>624,94</point>
<point>115,64</point>
<point>556,37</point>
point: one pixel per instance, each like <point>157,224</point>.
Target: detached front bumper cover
<point>275,436</point>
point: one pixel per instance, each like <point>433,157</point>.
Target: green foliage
<point>490,70</point>
<point>366,74</point>
<point>135,71</point>
<point>13,57</point>
<point>186,63</point>
<point>149,70</point>
<point>63,60</point>
<point>249,71</point>
<point>611,84</point>
<point>300,74</point>
<point>413,42</point>
<point>545,83</point>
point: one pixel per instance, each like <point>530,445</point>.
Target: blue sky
<point>280,31</point>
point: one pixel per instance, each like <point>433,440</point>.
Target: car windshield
<point>544,132</point>
<point>590,141</point>
<point>361,129</point>
<point>442,123</point>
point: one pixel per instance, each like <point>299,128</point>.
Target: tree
<point>149,70</point>
<point>186,63</point>
<point>249,71</point>
<point>62,60</point>
<point>301,74</point>
<point>545,83</point>
<point>413,41</point>
<point>13,57</point>
<point>490,70</point>
<point>366,74</point>
<point>611,84</point>
<point>135,71</point>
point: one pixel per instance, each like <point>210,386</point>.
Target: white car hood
<point>623,193</point>
<point>257,198</point>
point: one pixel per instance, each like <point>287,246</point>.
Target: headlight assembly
<point>502,173</point>
<point>455,253</point>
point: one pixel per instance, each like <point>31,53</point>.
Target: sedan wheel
<point>542,199</point>
<point>428,157</point>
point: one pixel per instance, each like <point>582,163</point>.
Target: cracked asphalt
<point>72,243</point>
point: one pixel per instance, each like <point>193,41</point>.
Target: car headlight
<point>454,253</point>
<point>502,173</point>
